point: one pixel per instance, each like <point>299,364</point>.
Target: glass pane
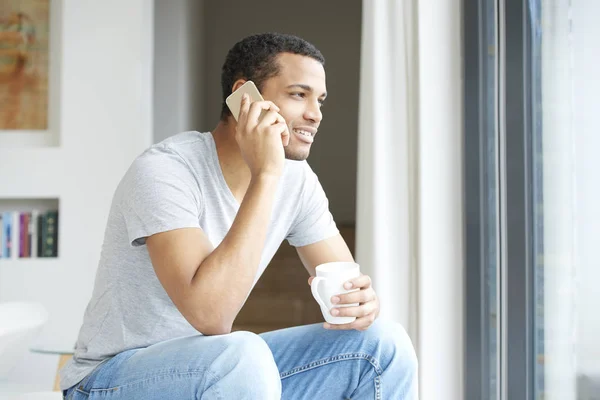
<point>566,186</point>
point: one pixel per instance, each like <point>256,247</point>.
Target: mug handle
<point>314,286</point>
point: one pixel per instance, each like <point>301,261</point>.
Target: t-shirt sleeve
<point>159,194</point>
<point>314,221</point>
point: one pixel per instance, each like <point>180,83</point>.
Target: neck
<point>234,168</point>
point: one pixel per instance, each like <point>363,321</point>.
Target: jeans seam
<point>328,360</point>
<point>213,376</point>
<point>341,357</point>
<point>378,387</point>
<point>162,375</point>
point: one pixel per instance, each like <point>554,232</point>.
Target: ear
<point>237,84</point>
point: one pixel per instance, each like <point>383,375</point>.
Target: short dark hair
<point>253,58</point>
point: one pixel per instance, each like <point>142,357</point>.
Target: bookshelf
<point>41,239</point>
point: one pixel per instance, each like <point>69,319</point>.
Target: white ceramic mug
<point>329,282</point>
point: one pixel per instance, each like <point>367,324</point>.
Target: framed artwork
<point>24,65</point>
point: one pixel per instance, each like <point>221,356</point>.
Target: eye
<point>321,103</point>
<point>298,94</point>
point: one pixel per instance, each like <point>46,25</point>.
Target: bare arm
<point>209,286</point>
<point>328,250</point>
<point>335,249</point>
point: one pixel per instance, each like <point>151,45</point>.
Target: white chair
<point>39,396</point>
<point>20,322</point>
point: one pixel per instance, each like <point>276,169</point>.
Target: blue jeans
<point>305,362</point>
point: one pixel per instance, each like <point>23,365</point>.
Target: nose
<point>313,112</point>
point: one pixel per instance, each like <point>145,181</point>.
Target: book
<point>51,234</point>
<point>22,232</point>
<point>15,234</point>
<point>33,230</point>
<point>28,234</point>
<point>7,234</point>
<point>24,235</point>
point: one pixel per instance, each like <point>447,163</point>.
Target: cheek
<point>290,109</point>
<point>291,116</point>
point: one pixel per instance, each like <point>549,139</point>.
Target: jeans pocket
<point>75,394</point>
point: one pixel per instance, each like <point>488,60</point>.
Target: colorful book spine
<point>33,229</point>
<point>15,235</point>
<point>51,234</point>
<point>28,234</point>
<point>7,233</point>
<point>41,223</point>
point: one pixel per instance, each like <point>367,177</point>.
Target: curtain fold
<point>409,228</point>
<point>385,227</point>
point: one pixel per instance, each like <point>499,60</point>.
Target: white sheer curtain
<point>409,200</point>
<point>387,130</point>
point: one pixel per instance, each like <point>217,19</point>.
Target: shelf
<point>36,216</point>
<point>25,263</point>
<point>28,204</point>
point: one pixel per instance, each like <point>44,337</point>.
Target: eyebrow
<point>305,87</point>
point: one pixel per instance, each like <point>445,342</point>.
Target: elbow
<point>212,326</point>
<point>213,330</point>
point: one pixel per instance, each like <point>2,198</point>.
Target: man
<point>194,223</point>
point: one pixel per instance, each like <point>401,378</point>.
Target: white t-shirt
<point>177,183</point>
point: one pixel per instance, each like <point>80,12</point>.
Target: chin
<point>296,154</point>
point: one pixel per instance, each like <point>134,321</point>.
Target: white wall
<point>178,67</point>
<point>105,121</point>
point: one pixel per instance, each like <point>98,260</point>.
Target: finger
<point>359,324</point>
<point>277,129</point>
<point>358,311</point>
<point>244,107</point>
<point>360,296</point>
<point>271,117</point>
<point>257,107</point>
<point>362,324</point>
<point>285,136</point>
<point>337,327</point>
<point>363,281</point>
<point>310,279</point>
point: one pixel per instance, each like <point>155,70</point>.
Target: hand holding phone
<point>234,100</point>
<point>261,132</point>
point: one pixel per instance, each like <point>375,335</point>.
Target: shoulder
<point>172,153</point>
<point>300,178</point>
<point>167,162</point>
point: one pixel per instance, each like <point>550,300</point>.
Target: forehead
<point>294,68</point>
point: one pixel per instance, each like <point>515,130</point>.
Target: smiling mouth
<point>304,135</point>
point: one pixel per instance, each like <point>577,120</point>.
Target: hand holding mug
<point>346,297</point>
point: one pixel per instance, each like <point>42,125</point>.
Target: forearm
<point>224,279</point>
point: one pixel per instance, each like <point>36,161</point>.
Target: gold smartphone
<point>234,100</point>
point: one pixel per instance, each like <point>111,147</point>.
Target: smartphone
<point>234,100</point>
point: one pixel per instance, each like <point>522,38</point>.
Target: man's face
<point>299,91</point>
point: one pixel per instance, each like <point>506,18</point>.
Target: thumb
<point>285,137</point>
<point>310,279</point>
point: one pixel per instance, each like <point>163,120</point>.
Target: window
<point>532,199</point>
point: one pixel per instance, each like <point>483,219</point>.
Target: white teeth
<point>303,132</point>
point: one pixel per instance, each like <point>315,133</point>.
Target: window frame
<point>514,165</point>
